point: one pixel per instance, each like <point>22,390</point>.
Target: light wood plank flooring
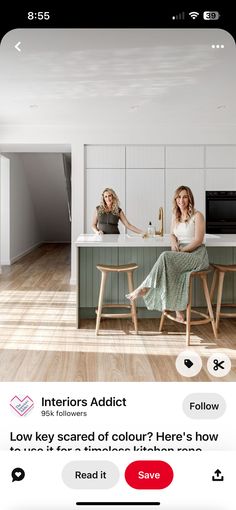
<point>39,341</point>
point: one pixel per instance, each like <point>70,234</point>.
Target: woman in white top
<point>166,286</point>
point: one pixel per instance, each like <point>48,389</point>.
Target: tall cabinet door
<point>194,180</point>
<point>144,184</point>
<point>144,196</point>
<point>105,168</point>
<point>220,167</point>
<point>96,181</point>
<point>189,171</point>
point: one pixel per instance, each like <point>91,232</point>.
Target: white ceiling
<point>104,77</point>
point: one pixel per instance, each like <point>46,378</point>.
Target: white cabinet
<point>97,180</point>
<point>185,156</point>
<point>144,183</point>
<point>221,156</point>
<point>178,177</point>
<point>145,156</point>
<point>221,179</point>
<point>144,195</point>
<point>145,177</point>
<point>105,156</point>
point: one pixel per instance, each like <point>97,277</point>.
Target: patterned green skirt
<point>168,280</point>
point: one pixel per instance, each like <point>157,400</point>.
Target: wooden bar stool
<point>105,270</point>
<point>219,273</point>
<point>188,322</point>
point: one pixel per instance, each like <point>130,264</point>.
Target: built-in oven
<point>221,212</point>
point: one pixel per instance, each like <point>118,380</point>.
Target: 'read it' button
<point>149,474</point>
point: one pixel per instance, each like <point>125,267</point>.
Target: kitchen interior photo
<point>138,111</point>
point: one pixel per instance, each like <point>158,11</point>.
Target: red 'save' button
<point>149,474</point>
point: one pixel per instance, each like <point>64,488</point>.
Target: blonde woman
<point>166,286</point>
<point>108,214</point>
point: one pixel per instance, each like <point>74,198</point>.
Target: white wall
<point>0,219</point>
<point>24,230</point>
<point>5,210</point>
<point>38,210</point>
<point>47,184</point>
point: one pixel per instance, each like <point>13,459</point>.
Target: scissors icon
<point>218,364</point>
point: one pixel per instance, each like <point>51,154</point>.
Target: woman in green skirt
<point>166,286</point>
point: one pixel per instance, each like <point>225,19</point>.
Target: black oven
<point>221,212</point>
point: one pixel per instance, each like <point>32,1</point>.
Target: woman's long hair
<point>115,202</point>
<point>176,209</point>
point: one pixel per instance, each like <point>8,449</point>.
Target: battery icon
<point>211,15</point>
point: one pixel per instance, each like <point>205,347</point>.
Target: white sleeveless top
<point>185,231</point>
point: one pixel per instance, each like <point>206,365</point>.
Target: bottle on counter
<point>151,229</point>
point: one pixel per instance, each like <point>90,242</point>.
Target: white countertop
<point>137,241</point>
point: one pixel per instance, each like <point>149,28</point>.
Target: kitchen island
<point>126,248</point>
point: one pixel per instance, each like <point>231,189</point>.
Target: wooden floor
<point>39,341</point>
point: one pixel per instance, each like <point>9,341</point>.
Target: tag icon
<point>188,363</point>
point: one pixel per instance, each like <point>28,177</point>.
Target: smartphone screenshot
<point>117,259</point>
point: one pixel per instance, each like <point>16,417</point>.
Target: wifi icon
<point>194,14</point>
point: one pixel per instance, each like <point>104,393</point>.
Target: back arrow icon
<point>17,46</point>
